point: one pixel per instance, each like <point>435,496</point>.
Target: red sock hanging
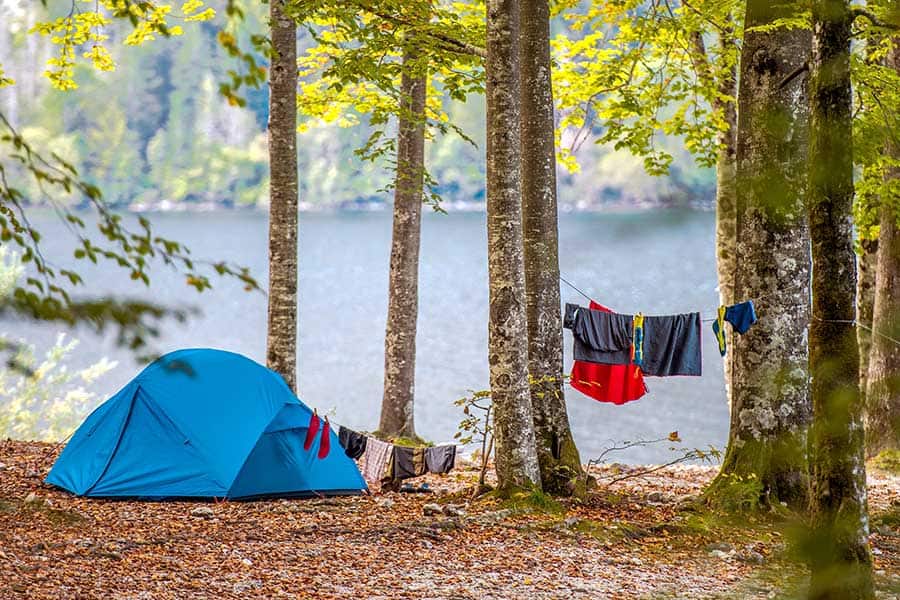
<point>311,432</point>
<point>325,442</point>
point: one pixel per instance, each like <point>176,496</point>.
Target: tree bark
<point>281,344</point>
<point>840,562</point>
<point>865,307</point>
<point>882,400</point>
<point>558,456</point>
<point>726,197</point>
<point>516,455</point>
<point>403,291</point>
<point>770,407</point>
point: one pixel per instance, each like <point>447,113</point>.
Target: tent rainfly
<point>202,423</point>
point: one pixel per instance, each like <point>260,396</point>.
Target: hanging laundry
<point>608,383</point>
<point>741,316</point>
<point>353,443</point>
<point>440,459</point>
<point>671,343</point>
<point>325,440</point>
<point>377,456</point>
<point>312,430</point>
<point>408,462</point>
<point>637,343</point>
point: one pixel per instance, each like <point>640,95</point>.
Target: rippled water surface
<point>656,263</point>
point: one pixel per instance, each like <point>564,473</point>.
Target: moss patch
<point>887,460</point>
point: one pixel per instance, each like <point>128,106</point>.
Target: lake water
<point>656,263</point>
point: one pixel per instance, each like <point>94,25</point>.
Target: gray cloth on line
<point>354,443</point>
<point>408,462</point>
<point>671,342</point>
<point>440,459</point>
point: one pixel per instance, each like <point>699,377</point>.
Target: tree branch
<point>793,75</point>
<point>859,11</point>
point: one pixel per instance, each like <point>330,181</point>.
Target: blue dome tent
<point>205,424</point>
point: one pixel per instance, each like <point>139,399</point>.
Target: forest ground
<point>639,538</point>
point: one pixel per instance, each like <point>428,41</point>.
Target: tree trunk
<point>516,455</point>
<point>865,307</point>
<point>403,291</point>
<point>557,454</point>
<point>281,345</point>
<point>770,407</point>
<point>726,197</point>
<point>882,399</point>
<point>840,562</point>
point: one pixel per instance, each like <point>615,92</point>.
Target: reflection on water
<point>656,263</point>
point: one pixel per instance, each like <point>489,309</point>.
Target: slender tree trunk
<point>840,561</point>
<point>516,455</point>
<point>281,352</point>
<point>770,407</point>
<point>882,399</point>
<point>557,454</point>
<point>726,197</point>
<point>403,291</point>
<point>865,307</point>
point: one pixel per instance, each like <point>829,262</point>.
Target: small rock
<point>570,522</point>
<point>203,512</point>
<point>720,554</point>
<point>751,557</point>
<point>431,509</point>
<point>635,561</point>
<point>720,546</point>
<point>246,562</point>
<point>33,474</point>
<point>32,497</point>
<point>454,510</point>
<point>385,502</point>
<point>876,551</point>
<point>2,466</point>
<point>657,497</point>
<point>495,516</point>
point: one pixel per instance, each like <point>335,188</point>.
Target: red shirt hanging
<point>608,383</point>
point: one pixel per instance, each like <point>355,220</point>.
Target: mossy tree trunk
<point>281,343</point>
<point>516,455</point>
<point>882,398</point>
<point>557,454</point>
<point>403,291</point>
<point>840,562</point>
<point>770,407</point>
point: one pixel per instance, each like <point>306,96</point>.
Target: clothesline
<point>571,285</point>
<point>709,320</point>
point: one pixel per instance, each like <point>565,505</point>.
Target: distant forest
<point>149,139</point>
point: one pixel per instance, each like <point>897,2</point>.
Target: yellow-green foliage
<point>81,31</point>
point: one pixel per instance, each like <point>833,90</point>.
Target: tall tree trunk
<point>403,291</point>
<point>865,307</point>
<point>840,561</point>
<point>557,454</point>
<point>281,345</point>
<point>726,195</point>
<point>770,406</point>
<point>882,400</point>
<point>516,455</point>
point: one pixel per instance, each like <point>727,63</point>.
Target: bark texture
<point>403,291</point>
<point>516,455</point>
<point>840,562</point>
<point>865,306</point>
<point>557,454</point>
<point>281,342</point>
<point>726,199</point>
<point>770,407</point>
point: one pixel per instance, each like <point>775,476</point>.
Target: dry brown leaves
<point>629,542</point>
